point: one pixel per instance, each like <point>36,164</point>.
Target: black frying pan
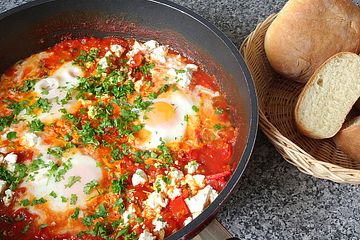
<point>38,25</point>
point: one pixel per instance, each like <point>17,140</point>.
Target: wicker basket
<point>277,98</point>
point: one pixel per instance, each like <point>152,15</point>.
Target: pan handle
<point>214,231</point>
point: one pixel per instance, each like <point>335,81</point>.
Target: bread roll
<point>328,96</point>
<point>307,32</point>
<point>348,139</point>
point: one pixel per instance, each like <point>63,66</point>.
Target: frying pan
<point>35,26</point>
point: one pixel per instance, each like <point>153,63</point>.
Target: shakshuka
<point>109,139</point>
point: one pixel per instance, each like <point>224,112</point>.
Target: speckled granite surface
<point>273,200</point>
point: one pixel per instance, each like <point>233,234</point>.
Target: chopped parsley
<point>73,199</point>
<point>11,135</point>
<point>75,215</point>
<point>56,151</point>
<point>90,186</point>
<point>120,205</point>
<point>28,85</point>
<point>119,185</point>
<point>219,111</point>
<point>218,126</point>
<point>36,125</point>
<point>38,201</point>
<point>42,226</point>
<point>72,180</point>
<point>25,202</point>
<point>195,108</point>
<point>53,194</point>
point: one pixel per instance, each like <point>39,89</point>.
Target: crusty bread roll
<point>307,32</point>
<point>348,139</point>
<point>328,96</point>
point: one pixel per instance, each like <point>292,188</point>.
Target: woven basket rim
<point>287,148</point>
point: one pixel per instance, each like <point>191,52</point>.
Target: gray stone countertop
<point>273,200</point>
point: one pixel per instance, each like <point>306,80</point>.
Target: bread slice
<point>328,96</point>
<point>348,139</point>
<point>306,33</point>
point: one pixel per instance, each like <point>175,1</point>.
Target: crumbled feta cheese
<point>159,184</point>
<point>103,63</point>
<point>156,200</point>
<point>129,213</point>
<point>173,193</point>
<point>108,54</point>
<point>139,177</point>
<point>145,235</point>
<point>29,139</point>
<point>199,179</point>
<point>8,197</point>
<point>137,85</point>
<point>213,195</point>
<point>2,186</point>
<point>151,45</point>
<point>118,50</point>
<point>192,166</point>
<point>197,203</point>
<point>135,49</point>
<point>3,150</point>
<point>10,161</point>
<point>159,54</point>
<point>194,181</point>
<point>159,224</point>
<point>171,72</point>
<point>175,175</point>
<point>187,220</point>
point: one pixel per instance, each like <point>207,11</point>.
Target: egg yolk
<point>160,113</point>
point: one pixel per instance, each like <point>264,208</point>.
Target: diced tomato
<point>179,209</point>
<point>213,157</point>
<point>202,78</point>
<point>218,175</point>
<point>136,60</point>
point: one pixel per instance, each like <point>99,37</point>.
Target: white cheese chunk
<point>10,161</point>
<point>197,203</point>
<point>187,220</point>
<point>2,186</point>
<point>159,184</point>
<point>108,54</point>
<point>159,224</point>
<point>129,214</point>
<point>146,235</point>
<point>159,54</point>
<point>139,177</point>
<point>156,201</point>
<point>8,197</point>
<point>29,139</point>
<point>118,50</point>
<point>137,85</point>
<point>150,45</point>
<point>173,193</point>
<point>175,174</point>
<point>103,63</point>
<point>191,167</point>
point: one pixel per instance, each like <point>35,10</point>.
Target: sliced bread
<point>328,96</point>
<point>348,139</point>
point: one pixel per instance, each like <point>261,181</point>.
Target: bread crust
<point>348,139</point>
<point>307,32</point>
<point>299,123</point>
